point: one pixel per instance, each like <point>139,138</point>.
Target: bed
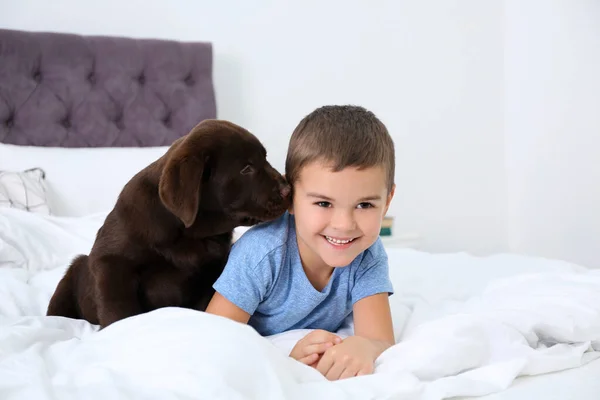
<point>498,327</point>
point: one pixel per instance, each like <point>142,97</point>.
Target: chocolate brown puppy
<point>168,237</point>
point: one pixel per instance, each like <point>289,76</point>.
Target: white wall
<point>552,101</point>
<point>432,71</point>
<point>493,105</point>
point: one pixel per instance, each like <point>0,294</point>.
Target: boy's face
<point>338,214</point>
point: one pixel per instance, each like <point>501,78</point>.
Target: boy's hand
<point>353,357</point>
<point>309,349</point>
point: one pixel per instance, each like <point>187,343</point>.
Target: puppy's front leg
<point>117,289</point>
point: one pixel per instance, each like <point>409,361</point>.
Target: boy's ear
<point>388,201</point>
<point>291,208</point>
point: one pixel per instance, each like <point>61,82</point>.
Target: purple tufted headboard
<point>68,90</point>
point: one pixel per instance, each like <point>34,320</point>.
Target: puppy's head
<point>222,168</point>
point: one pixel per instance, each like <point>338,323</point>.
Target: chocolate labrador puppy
<point>168,237</point>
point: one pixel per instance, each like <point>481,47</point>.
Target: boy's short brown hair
<point>344,136</point>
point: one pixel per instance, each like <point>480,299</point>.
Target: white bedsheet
<point>466,326</point>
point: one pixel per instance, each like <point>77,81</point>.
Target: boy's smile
<point>339,242</point>
<point>338,214</point>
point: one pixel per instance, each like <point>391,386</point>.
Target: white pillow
<point>80,181</point>
<point>25,190</point>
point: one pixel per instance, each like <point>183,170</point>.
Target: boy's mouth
<point>338,241</point>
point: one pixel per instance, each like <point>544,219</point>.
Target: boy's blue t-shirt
<point>264,277</point>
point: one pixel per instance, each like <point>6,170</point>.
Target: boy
<point>322,260</point>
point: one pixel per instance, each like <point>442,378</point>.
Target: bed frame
<point>67,90</point>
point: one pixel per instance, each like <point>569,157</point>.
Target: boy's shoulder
<point>264,238</point>
<point>374,254</point>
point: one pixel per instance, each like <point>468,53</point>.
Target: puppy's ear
<point>180,185</point>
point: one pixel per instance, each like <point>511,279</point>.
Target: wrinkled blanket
<point>453,340</point>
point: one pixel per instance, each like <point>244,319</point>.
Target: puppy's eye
<point>247,170</point>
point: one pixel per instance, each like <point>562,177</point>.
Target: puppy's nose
<point>285,190</point>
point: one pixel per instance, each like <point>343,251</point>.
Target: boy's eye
<point>323,203</point>
<point>365,205</point>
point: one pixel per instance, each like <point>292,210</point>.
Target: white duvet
<point>465,326</point>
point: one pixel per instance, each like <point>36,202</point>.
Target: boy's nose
<point>343,221</point>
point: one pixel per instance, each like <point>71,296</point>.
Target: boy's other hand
<point>311,347</point>
<point>353,357</point>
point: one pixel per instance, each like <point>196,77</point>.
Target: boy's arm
<point>373,321</point>
<point>371,309</point>
<point>219,305</point>
<point>242,284</point>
